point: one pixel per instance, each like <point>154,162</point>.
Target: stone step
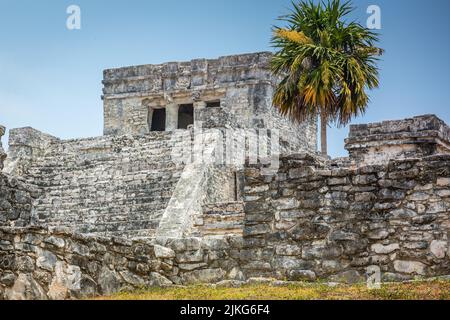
<point>62,194</point>
<point>129,234</point>
<point>107,217</point>
<point>66,214</point>
<point>153,166</point>
<point>113,226</point>
<point>112,151</point>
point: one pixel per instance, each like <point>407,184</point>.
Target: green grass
<point>424,290</point>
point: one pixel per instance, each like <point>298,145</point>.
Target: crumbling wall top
<point>28,142</point>
<point>415,137</point>
<point>190,75</point>
<point>413,126</point>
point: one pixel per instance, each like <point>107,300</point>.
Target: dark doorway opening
<point>185,116</point>
<point>158,120</point>
<point>213,104</point>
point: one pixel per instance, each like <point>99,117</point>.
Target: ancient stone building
<point>229,92</point>
<point>197,178</point>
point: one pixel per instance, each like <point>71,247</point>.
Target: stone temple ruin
<point>124,210</point>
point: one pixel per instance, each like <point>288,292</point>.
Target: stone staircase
<point>110,186</point>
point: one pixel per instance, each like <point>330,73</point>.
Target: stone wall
<point>311,221</point>
<point>386,206</point>
<point>376,143</point>
<point>225,218</point>
<point>305,223</point>
<point>57,264</point>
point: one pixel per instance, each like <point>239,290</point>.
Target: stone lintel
<point>181,97</point>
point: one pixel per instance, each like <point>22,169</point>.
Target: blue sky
<point>50,77</point>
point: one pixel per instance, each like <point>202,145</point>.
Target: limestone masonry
<point>121,211</point>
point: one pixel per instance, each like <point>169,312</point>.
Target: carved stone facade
<point>229,92</point>
<point>94,216</point>
<point>380,142</point>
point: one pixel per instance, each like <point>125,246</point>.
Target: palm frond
<point>327,64</point>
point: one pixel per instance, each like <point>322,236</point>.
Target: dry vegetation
<point>425,290</point>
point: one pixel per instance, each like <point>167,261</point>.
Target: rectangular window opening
<point>185,116</point>
<point>213,104</point>
<point>158,120</point>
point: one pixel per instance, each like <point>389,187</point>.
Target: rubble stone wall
<point>16,199</point>
<point>57,264</point>
<point>69,208</point>
<point>307,222</point>
<point>380,142</point>
<point>311,221</point>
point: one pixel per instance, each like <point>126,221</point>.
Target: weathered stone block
<point>321,251</point>
<point>66,280</point>
<point>46,260</point>
<point>385,249</point>
<point>340,235</point>
<point>410,267</point>
<point>288,250</point>
<point>25,288</point>
<point>300,172</point>
<point>337,181</point>
<point>438,248</point>
<point>8,279</point>
<point>443,182</point>
<point>364,179</point>
<point>289,263</point>
<point>57,242</point>
<point>163,252</point>
<point>258,229</point>
<point>204,276</point>
<point>109,281</point>
<point>190,256</point>
<point>378,234</point>
<point>419,196</point>
<point>157,280</point>
<point>350,276</point>
<point>286,204</point>
<point>301,275</point>
<point>310,231</point>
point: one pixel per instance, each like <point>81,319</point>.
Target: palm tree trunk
<point>323,135</point>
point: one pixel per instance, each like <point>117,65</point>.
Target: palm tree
<point>326,64</point>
